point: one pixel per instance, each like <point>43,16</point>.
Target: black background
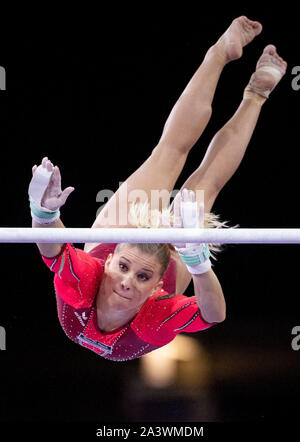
<point>93,94</point>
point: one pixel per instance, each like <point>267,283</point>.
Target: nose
<point>126,283</point>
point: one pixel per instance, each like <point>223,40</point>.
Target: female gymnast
<point>123,301</point>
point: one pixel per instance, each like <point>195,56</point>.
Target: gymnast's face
<point>132,276</point>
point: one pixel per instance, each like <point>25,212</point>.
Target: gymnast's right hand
<point>52,197</point>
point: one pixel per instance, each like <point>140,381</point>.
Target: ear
<point>108,260</point>
<point>158,286</point>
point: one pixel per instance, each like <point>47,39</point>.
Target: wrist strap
<point>200,268</point>
<point>194,255</point>
<point>196,258</point>
<point>42,217</point>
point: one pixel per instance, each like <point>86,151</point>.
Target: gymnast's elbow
<point>215,317</point>
<point>220,318</point>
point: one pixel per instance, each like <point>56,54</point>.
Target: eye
<point>143,277</point>
<point>122,266</point>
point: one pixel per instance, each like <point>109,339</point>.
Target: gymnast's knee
<point>172,149</point>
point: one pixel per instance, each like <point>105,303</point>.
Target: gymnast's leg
<point>184,126</point>
<point>229,145</point>
<point>191,113</point>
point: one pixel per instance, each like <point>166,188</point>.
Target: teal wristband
<point>196,258</point>
<point>40,213</point>
<point>43,217</point>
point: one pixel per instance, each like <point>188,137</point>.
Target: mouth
<point>121,296</point>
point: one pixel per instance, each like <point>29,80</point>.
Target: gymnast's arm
<point>207,288</point>
<point>209,296</point>
<point>52,198</point>
<point>49,250</point>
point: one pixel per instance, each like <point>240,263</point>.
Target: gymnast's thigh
<point>158,174</point>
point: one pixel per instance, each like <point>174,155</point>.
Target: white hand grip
<point>189,214</point>
<point>38,186</point>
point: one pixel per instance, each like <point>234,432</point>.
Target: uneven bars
<point>142,235</point>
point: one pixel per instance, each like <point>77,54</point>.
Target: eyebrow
<point>147,270</point>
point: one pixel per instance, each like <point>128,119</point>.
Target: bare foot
<point>270,68</point>
<point>241,32</point>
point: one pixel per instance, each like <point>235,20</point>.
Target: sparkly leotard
<point>77,280</point>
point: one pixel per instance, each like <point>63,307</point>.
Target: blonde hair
<point>141,216</point>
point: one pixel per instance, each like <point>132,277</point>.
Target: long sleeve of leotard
<point>77,276</point>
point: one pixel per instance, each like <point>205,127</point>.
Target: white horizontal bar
<point>135,235</point>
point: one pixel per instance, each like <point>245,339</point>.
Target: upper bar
<point>141,235</point>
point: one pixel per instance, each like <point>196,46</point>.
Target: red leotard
<point>77,279</point>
